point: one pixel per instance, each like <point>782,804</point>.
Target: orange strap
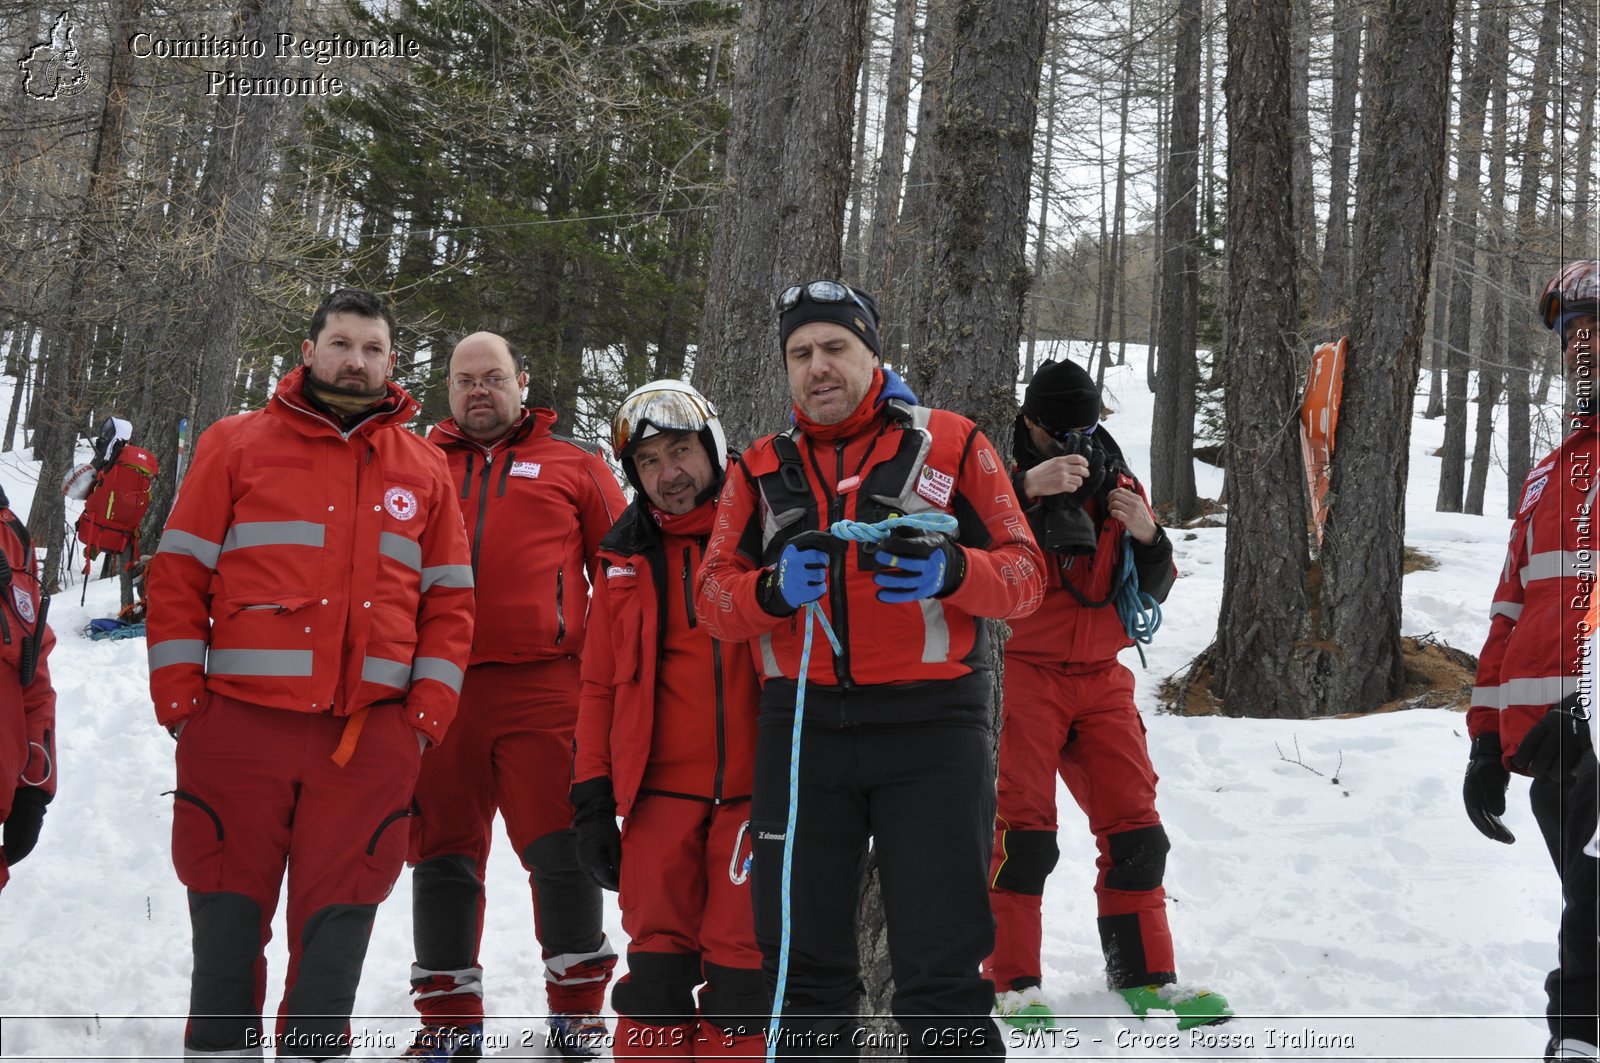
<point>347,741</point>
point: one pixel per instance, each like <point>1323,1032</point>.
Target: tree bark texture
<point>1260,667</point>
<point>879,271</point>
<point>782,214</point>
<point>1397,205</point>
<point>1333,283</point>
<point>1463,254</point>
<point>1172,428</point>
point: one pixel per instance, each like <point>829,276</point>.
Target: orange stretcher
<point>1319,420</point>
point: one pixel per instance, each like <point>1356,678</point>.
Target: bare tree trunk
<point>1397,202</point>
<point>879,273</point>
<point>1492,334</point>
<point>21,360</point>
<point>1041,232</point>
<point>907,318</point>
<point>1333,286</point>
<point>61,397</point>
<point>1440,320</point>
<point>1172,427</point>
<point>1463,244</point>
<point>1260,669</point>
<point>854,264</point>
<point>783,212</point>
<point>1305,194</point>
<point>1531,158</point>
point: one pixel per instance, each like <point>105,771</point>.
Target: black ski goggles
<point>820,292</point>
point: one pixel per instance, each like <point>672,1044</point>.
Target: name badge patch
<point>526,469</point>
<point>935,486</point>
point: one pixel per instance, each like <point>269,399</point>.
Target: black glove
<point>594,817</point>
<point>1553,746</point>
<point>1483,791</point>
<point>22,825</point>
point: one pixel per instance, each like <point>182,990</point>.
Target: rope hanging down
<point>850,531</point>
<point>1139,612</point>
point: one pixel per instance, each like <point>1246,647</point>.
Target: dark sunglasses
<point>1062,435</point>
<point>819,292</point>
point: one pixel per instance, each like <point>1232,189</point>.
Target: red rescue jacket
<point>1532,657</point>
<point>905,459</point>
<point>312,568</point>
<point>27,713</point>
<point>536,506</point>
<point>1065,631</point>
<point>686,729</point>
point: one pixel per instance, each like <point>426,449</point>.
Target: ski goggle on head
<point>1575,290</point>
<point>661,406</point>
<point>820,292</point>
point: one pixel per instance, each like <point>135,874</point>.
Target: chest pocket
<point>627,617</point>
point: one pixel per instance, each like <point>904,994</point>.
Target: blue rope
<point>1139,612</point>
<point>851,531</point>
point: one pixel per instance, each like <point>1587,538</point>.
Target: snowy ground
<point>1357,919</point>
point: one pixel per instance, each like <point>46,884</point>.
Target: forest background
<point>621,186</point>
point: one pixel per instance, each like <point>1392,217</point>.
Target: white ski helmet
<point>667,406</point>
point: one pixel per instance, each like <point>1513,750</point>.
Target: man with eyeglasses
<point>895,748</point>
<point>536,505</point>
<point>1069,711</point>
<point>666,739</point>
<point>310,614</point>
<point>1531,699</point>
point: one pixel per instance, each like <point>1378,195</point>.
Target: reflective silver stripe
<point>935,632</point>
<point>438,669</point>
<point>406,551</point>
<point>273,533</point>
<point>769,660</point>
<point>1513,610</point>
<point>204,551</point>
<point>389,673</point>
<point>1537,690</point>
<point>286,663</point>
<point>1488,697</point>
<point>176,651</point>
<point>1553,564</point>
<point>1540,690</point>
<point>446,576</point>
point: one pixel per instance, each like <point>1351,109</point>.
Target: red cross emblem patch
<point>401,503</point>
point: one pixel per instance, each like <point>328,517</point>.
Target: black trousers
<point>924,794</point>
<point>1566,816</point>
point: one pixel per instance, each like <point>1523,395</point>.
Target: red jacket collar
<point>394,410</point>
<point>534,423</point>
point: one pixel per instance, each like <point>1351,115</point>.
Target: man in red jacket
<point>1069,711</point>
<point>27,699</point>
<point>896,725</point>
<point>536,505</point>
<point>310,614</point>
<point>1530,700</point>
<point>666,736</point>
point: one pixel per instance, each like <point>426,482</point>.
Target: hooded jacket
<point>313,568</point>
<point>536,506</point>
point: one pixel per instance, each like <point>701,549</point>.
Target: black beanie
<point>1062,396</point>
<point>848,314</point>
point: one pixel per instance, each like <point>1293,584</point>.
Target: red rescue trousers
<point>509,749</point>
<point>685,901</point>
<point>1083,725</point>
<point>258,792</point>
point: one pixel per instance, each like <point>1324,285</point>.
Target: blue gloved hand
<point>923,565</point>
<point>800,576</point>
